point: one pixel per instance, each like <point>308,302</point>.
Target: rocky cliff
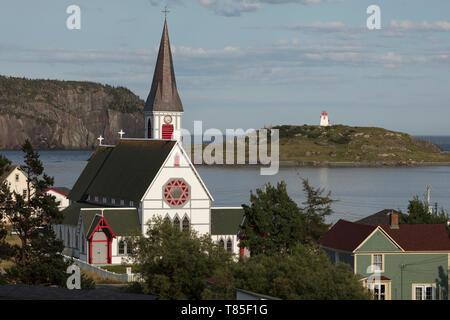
<point>66,114</point>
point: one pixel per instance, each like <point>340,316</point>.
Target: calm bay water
<point>359,191</point>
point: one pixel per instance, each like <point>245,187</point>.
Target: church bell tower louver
<point>163,109</point>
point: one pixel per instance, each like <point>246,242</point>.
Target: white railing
<point>105,273</point>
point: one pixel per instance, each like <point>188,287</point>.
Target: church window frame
<point>176,222</point>
<point>229,244</point>
<point>222,243</point>
<point>176,192</point>
<point>185,224</point>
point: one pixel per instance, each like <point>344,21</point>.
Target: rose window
<point>176,192</point>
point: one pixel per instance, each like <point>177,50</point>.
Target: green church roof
<point>122,172</point>
<point>123,222</point>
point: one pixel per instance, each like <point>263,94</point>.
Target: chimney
<point>394,220</point>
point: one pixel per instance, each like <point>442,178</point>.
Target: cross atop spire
<point>165,11</point>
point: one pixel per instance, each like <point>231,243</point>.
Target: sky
<point>250,63</point>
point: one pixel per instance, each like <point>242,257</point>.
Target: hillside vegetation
<point>55,114</point>
<point>341,143</point>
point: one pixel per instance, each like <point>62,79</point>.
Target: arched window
<point>221,243</point>
<point>229,245</point>
<point>166,219</point>
<point>186,224</point>
<point>149,129</point>
<point>176,222</point>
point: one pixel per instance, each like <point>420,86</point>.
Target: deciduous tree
<point>175,264</point>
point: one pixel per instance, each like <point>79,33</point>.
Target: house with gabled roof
<point>16,180</point>
<point>60,194</point>
<point>398,262</point>
<point>124,186</point>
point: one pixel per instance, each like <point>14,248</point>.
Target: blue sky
<point>250,63</point>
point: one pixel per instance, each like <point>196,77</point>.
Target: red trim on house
<point>102,225</point>
<point>65,195</point>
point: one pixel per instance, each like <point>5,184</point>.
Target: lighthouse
<point>324,121</point>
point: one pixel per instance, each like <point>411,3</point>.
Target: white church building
<point>124,186</point>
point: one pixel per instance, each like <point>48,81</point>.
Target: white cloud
<point>407,25</point>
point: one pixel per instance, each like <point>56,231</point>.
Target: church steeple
<point>164,94</point>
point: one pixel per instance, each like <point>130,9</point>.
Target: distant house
<point>61,195</point>
<point>380,218</point>
<point>413,259</point>
<point>16,179</point>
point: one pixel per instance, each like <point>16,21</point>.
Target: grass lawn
<point>11,239</point>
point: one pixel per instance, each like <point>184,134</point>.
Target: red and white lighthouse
<point>324,121</point>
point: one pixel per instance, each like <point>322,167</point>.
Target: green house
<point>397,262</point>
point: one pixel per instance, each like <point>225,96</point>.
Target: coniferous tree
<point>5,250</point>
<point>37,260</point>
<point>419,213</point>
<point>273,223</point>
<point>317,208</point>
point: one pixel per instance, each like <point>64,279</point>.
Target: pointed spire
<point>163,94</point>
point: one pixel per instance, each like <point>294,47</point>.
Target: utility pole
<point>430,209</point>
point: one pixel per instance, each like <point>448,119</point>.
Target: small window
<point>129,247</point>
<point>17,178</point>
<point>131,203</point>
<point>222,243</point>
<point>113,201</point>
<point>96,199</point>
<point>379,292</point>
<point>25,193</point>
<point>122,202</point>
<point>424,292</point>
<point>121,247</point>
<point>186,224</point>
<point>377,261</point>
<point>229,245</point>
<point>105,200</point>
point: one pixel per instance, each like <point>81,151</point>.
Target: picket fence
<point>105,273</point>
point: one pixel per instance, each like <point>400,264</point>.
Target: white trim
<point>163,166</point>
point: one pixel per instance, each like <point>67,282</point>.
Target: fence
<point>105,273</point>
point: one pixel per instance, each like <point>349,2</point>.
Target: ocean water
<point>359,191</point>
